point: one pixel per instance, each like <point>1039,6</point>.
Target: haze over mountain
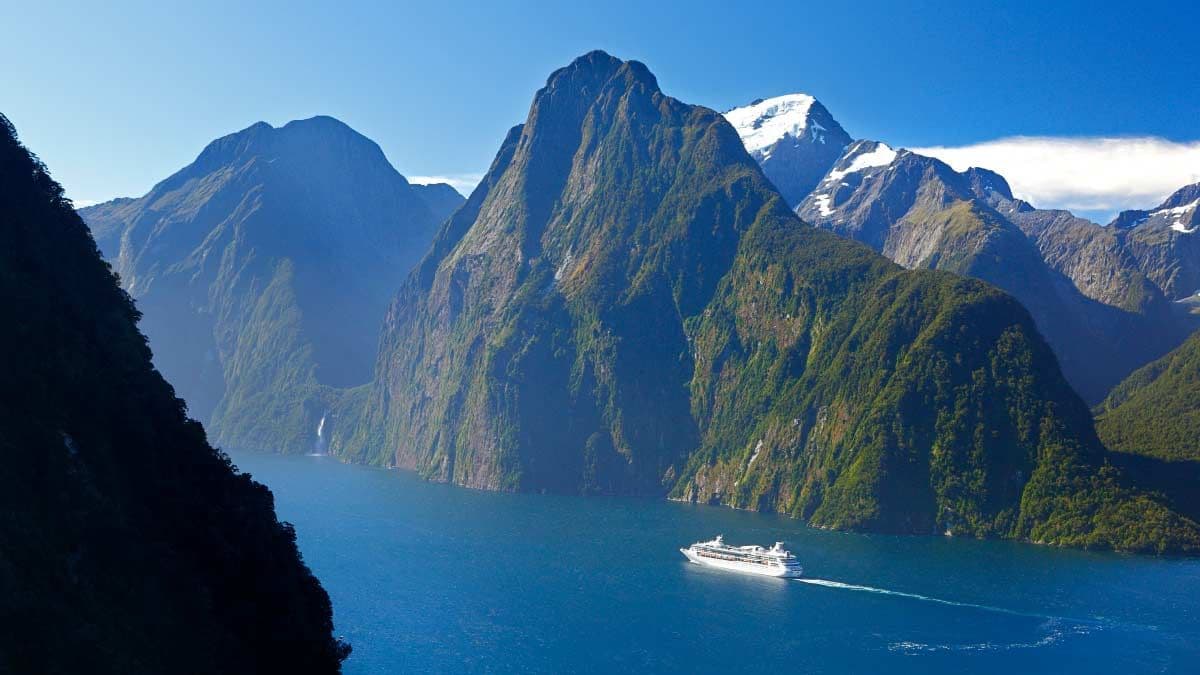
<point>920,212</point>
<point>264,270</point>
<point>128,544</point>
<point>626,305</point>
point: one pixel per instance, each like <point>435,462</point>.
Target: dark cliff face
<point>626,305</point>
<point>128,543</point>
<point>264,270</point>
<point>921,213</point>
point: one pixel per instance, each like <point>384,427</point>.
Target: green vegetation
<point>127,543</point>
<point>625,305</point>
<point>1156,410</point>
<point>842,390</point>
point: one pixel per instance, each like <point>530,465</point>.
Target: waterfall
<point>320,444</point>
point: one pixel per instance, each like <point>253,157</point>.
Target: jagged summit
<point>583,75</point>
<point>793,137</point>
<point>1180,213</point>
<point>984,182</point>
<point>765,122</point>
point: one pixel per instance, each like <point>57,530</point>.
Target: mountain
<point>625,305</point>
<point>921,213</point>
<point>128,544</point>
<point>1154,249</point>
<point>106,226</point>
<point>1156,410</point>
<point>794,139</point>
<point>1162,242</point>
<point>439,198</point>
<point>264,269</point>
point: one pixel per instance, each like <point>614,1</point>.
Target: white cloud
<point>84,203</point>
<point>463,182</point>
<point>1083,174</point>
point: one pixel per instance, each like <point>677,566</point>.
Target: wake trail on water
<point>1057,628</point>
<point>951,603</point>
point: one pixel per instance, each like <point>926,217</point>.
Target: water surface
<point>430,577</point>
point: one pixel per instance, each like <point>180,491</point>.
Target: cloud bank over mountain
<point>1093,175</point>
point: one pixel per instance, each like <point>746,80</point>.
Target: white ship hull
<point>743,567</point>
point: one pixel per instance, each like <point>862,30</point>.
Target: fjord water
<point>435,578</point>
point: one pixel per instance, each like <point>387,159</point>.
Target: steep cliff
<point>128,544</point>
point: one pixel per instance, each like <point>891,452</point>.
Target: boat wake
<point>1055,632</point>
<point>1056,628</point>
<point>940,601</point>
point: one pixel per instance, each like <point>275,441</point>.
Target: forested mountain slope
<point>627,305</point>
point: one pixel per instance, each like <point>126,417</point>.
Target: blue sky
<point>116,97</point>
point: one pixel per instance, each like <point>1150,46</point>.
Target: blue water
<point>429,577</point>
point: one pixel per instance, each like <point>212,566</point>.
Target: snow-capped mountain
<point>793,138</point>
<point>920,212</point>
<point>861,161</point>
<point>1179,213</point>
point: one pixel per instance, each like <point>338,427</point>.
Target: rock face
<point>1096,310</point>
<point>127,544</point>
<point>1156,251</point>
<point>794,139</point>
<point>264,270</point>
<point>626,305</point>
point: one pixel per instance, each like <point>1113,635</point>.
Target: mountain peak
<point>765,122</point>
<point>793,137</point>
<point>296,141</point>
<point>594,65</point>
<point>985,181</point>
<point>1181,197</point>
<point>1180,212</point>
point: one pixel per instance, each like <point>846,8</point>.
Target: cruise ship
<point>772,562</point>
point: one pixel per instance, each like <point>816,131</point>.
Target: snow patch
<point>765,123</point>
<point>823,204</point>
<point>1179,212</point>
<point>882,155</point>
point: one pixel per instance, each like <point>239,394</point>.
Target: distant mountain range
<point>127,543</point>
<point>264,269</point>
<point>627,305</point>
<point>1103,297</point>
